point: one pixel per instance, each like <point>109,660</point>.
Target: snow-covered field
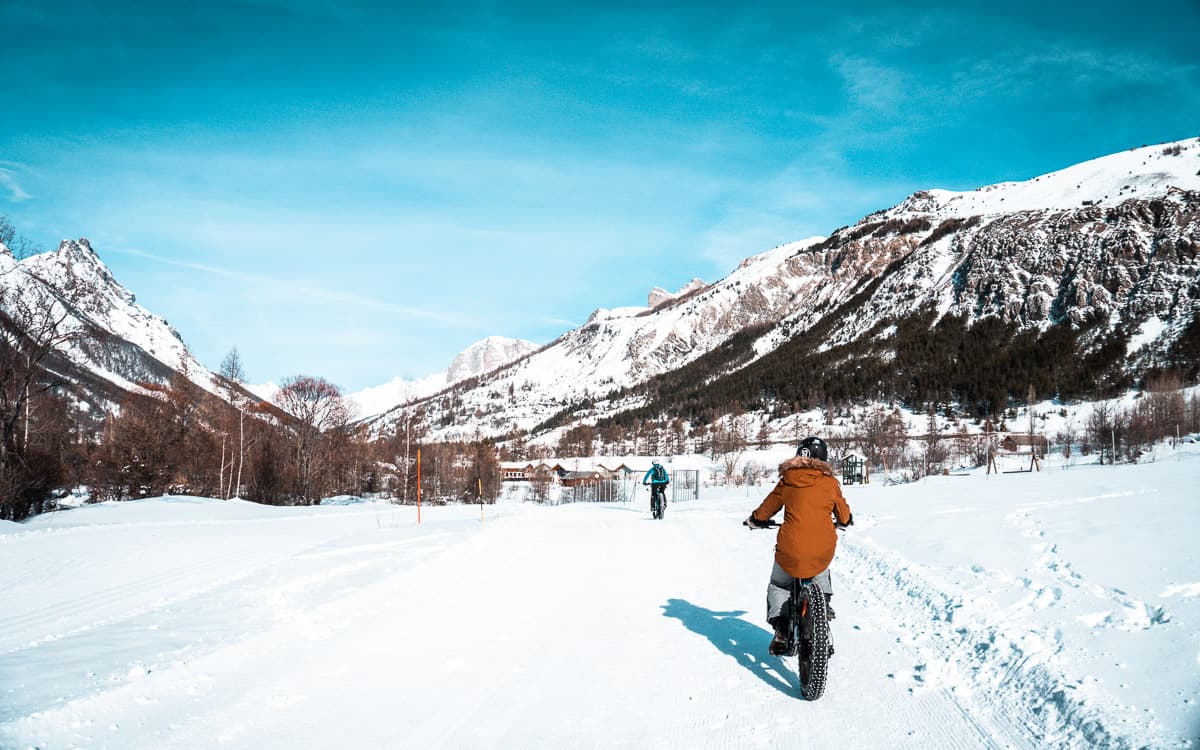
<point>1053,609</point>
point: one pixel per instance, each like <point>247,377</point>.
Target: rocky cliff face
<point>1131,261</point>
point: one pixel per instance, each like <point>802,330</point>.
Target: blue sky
<point>360,190</point>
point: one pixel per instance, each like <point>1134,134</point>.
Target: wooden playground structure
<point>1013,449</point>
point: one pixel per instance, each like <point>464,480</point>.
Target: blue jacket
<point>666,478</point>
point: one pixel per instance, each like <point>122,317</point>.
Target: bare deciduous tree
<point>235,379</point>
<point>319,409</point>
<point>881,435</point>
<point>35,326</point>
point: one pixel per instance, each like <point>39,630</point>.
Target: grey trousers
<point>780,588</point>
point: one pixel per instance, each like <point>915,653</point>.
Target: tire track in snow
<point>22,623</point>
<point>123,597</point>
<point>155,687</point>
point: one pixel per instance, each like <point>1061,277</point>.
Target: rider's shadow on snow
<point>735,637</point>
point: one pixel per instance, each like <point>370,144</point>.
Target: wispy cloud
<point>8,181</point>
<point>306,290</point>
<point>871,84</point>
<point>808,197</point>
<point>1017,72</point>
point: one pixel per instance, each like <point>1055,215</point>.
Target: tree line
<point>177,439</point>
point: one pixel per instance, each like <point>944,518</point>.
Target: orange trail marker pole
<point>418,485</point>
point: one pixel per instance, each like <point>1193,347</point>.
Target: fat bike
<point>658,500</point>
<point>808,632</point>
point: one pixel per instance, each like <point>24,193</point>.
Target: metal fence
<point>685,485</point>
<point>595,491</point>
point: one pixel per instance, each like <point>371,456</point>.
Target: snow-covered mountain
<point>108,335</point>
<point>477,359</point>
<point>484,356</point>
<point>114,345</point>
<point>618,348</point>
<point>1114,239</point>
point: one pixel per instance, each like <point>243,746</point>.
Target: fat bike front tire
<point>813,648</point>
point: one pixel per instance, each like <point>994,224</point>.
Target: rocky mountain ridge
<point>1109,245</point>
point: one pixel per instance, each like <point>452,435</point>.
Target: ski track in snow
<point>569,627</point>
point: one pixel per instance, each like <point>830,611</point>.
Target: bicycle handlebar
<point>771,524</point>
<point>768,525</point>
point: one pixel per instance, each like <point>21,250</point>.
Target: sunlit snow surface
<point>1051,609</point>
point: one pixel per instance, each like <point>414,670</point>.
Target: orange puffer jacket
<point>810,497</point>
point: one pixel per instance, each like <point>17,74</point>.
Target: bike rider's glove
<point>754,523</point>
<point>849,522</point>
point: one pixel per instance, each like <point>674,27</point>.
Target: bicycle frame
<point>658,500</point>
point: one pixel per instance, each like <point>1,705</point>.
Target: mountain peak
<point>481,357</point>
<point>72,252</point>
<point>658,295</point>
<point>486,355</point>
<point>74,263</point>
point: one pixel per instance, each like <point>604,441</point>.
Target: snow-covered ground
<point>1052,609</point>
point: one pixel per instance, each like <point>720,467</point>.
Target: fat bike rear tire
<point>813,648</point>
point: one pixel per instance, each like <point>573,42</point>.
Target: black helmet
<point>813,447</point>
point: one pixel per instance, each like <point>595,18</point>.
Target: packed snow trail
<point>564,627</point>
<point>968,616</point>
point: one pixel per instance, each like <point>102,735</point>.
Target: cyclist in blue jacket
<point>658,479</point>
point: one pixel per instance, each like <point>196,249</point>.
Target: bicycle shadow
<point>735,637</point>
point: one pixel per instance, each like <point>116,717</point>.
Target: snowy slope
<point>1055,609</point>
<point>1146,172</point>
<point>268,392</point>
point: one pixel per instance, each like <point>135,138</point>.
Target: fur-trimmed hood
<point>805,462</point>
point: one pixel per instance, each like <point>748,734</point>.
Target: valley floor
<point>1054,609</point>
